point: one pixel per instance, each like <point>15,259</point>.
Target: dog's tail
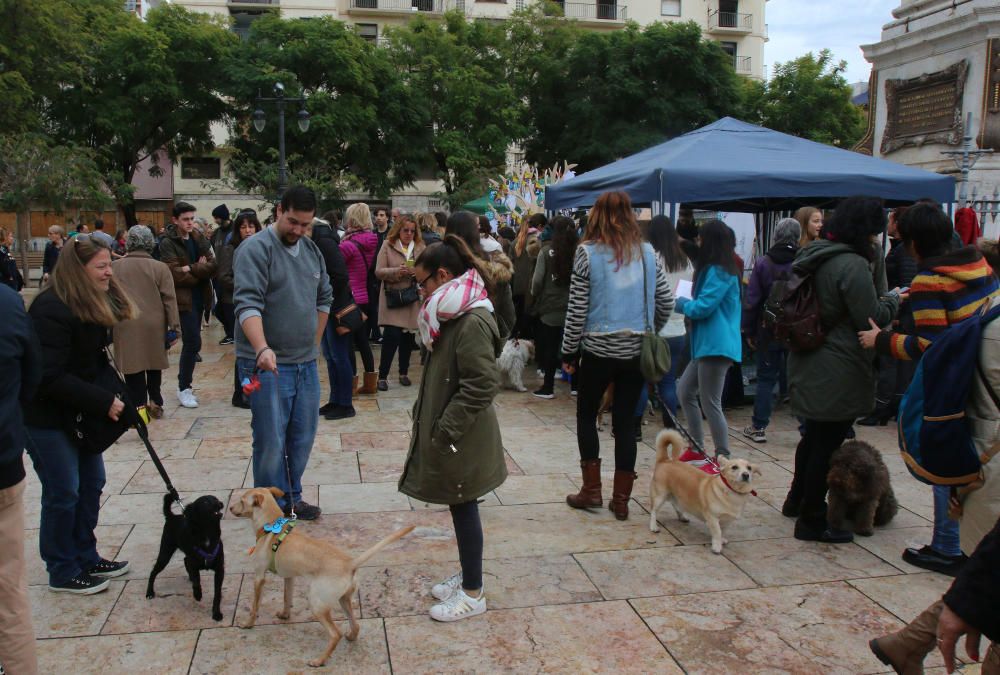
<point>367,555</point>
<point>168,501</point>
<point>664,441</point>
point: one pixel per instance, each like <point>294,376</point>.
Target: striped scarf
<point>450,301</point>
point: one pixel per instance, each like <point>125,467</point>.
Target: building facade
<point>738,25</point>
<point>938,62</point>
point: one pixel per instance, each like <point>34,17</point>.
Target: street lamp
<point>260,120</point>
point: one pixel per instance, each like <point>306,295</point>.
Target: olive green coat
<point>454,409</point>
<point>837,381</point>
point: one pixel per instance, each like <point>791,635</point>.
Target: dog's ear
<point>258,499</point>
<point>723,461</point>
<point>277,492</point>
<point>756,471</point>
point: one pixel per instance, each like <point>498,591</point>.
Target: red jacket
<point>359,249</point>
<point>967,226</point>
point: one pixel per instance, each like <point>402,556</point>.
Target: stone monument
<point>937,61</point>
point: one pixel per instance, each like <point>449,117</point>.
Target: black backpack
<point>791,313</point>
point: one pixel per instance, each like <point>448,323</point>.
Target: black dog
<point>198,533</point>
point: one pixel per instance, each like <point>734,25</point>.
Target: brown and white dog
<point>715,499</point>
<point>330,571</point>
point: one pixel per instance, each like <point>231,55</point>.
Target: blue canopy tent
<point>730,165</point>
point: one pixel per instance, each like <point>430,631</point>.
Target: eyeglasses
<point>420,284</point>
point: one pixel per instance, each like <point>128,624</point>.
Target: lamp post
<point>259,121</point>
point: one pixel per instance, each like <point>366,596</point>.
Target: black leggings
<point>596,373</point>
<point>469,532</point>
<point>394,338</point>
<point>360,344</point>
<point>145,385</point>
<point>226,313</point>
<point>548,347</point>
<point>812,463</point>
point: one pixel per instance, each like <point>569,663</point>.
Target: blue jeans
<point>667,386</point>
<point>72,482</point>
<point>945,539</point>
<point>190,346</point>
<point>770,361</point>
<point>285,414</point>
<point>337,353</point>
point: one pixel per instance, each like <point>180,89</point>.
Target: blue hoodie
<point>715,315</point>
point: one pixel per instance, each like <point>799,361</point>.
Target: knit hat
<point>221,211</point>
<point>140,238</point>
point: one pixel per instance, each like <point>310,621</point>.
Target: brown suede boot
<point>371,384</point>
<point>589,495</point>
<point>905,649</point>
<point>621,493</point>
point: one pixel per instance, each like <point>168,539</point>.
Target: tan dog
<point>331,571</point>
<point>715,499</point>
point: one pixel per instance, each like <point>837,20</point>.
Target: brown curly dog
<point>860,495</point>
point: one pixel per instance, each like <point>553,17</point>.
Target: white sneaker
<point>446,588</point>
<point>187,398</point>
<point>459,606</point>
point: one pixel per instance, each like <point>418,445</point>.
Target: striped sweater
<point>623,345</point>
<point>947,289</point>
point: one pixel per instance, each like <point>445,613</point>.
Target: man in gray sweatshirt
<point>282,297</point>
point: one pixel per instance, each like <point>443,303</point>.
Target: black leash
<point>684,432</point>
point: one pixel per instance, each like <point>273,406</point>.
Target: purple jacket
<point>359,248</point>
<point>768,268</point>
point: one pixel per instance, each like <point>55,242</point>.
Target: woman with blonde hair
<point>811,221</point>
<point>427,223</point>
<point>73,317</point>
<point>397,301</point>
<point>360,246</point>
<point>524,254</point>
<point>618,288</point>
<point>57,237</point>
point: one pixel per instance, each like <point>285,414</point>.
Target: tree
<point>608,95</point>
<point>810,98</point>
<point>363,120</point>
<point>143,87</point>
<point>457,73</point>
<point>34,171</point>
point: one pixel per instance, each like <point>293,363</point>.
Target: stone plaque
<point>926,109</point>
<point>989,138</point>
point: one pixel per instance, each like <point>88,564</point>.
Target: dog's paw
<point>247,625</point>
<point>197,594</point>
<point>683,518</point>
<point>522,389</point>
<point>283,615</point>
<point>865,532</point>
<point>317,663</point>
<point>654,528</point>
<point>150,594</point>
<point>716,548</point>
<point>216,615</point>
<point>352,635</point>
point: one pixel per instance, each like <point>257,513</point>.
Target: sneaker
<point>572,392</point>
<point>754,434</point>
<point>340,413</point>
<point>540,373</point>
<point>459,606</point>
<point>226,341</point>
<point>197,358</point>
<point>82,584</point>
<point>240,401</point>
<point>692,456</point>
<point>544,393</point>
<point>327,407</point>
<point>383,385</point>
<point>447,588</point>
<point>109,568</point>
<point>305,511</point>
<point>187,398</point>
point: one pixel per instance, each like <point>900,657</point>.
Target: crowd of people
<point>451,291</point>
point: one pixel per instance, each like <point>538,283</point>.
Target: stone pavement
<point>569,591</point>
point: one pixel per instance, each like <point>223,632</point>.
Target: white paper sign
<point>684,289</point>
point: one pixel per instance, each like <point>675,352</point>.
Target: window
<point>368,31</point>
<point>670,7</point>
<point>202,168</point>
<point>729,48</point>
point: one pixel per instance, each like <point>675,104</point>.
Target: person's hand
<point>903,295</point>
<point>186,269</point>
<point>116,409</point>
<point>950,627</point>
<point>173,342</point>
<point>569,367</point>
<point>45,277</point>
<point>266,360</point>
<point>752,343</point>
<point>402,271</point>
<point>867,337</point>
<point>202,260</point>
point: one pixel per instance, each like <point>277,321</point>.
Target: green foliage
<point>459,78</point>
<point>34,170</point>
<point>363,120</point>
<point>807,97</point>
<point>145,85</point>
<point>601,96</point>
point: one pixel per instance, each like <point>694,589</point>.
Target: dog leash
<point>251,385</point>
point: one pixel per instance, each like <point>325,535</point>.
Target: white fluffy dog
<point>511,362</point>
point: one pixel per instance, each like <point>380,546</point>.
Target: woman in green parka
<point>833,385</point>
<point>456,454</point>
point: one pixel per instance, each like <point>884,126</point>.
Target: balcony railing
<point>586,11</point>
<point>432,6</point>
<point>730,21</point>
<point>741,64</point>
<point>254,2</point>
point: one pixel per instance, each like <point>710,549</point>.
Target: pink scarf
<point>450,301</point>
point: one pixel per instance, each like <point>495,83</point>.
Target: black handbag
<point>401,297</point>
<point>95,433</point>
<point>349,319</point>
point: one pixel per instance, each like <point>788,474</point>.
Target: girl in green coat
<point>456,454</point>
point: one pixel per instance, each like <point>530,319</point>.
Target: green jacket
<point>837,381</point>
<point>455,409</point>
<point>550,298</point>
